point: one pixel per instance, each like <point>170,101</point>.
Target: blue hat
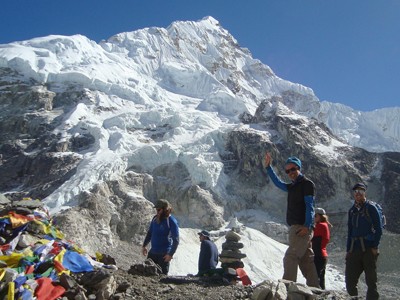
<point>359,186</point>
<point>204,232</point>
<point>294,160</point>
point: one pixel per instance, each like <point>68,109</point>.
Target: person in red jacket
<point>319,242</point>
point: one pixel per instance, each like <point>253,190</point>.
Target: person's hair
<point>325,218</point>
<point>167,212</point>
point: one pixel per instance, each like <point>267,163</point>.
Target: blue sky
<point>347,51</point>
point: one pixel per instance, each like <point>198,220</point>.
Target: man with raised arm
<point>300,218</point>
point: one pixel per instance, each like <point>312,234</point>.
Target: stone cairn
<point>231,256</point>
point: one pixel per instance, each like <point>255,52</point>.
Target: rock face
<point>389,183</point>
<point>34,160</point>
<point>114,218</point>
<point>335,174</point>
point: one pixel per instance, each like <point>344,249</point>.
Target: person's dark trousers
<point>159,260</point>
<point>320,264</point>
<point>356,263</point>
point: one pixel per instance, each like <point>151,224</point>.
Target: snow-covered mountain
<point>199,60</point>
<point>182,113</point>
<point>376,131</point>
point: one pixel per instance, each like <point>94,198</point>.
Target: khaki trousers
<point>300,254</point>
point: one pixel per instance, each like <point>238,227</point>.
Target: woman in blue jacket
<point>163,233</point>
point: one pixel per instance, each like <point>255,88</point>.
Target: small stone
<point>232,236</point>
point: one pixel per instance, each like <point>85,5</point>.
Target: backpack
<point>380,212</point>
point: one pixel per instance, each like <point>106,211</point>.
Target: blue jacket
<point>208,258</point>
<point>164,236</point>
<point>363,228</point>
<point>300,200</point>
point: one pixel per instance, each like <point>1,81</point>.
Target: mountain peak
<point>211,20</point>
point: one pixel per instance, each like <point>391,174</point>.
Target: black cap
<point>204,232</point>
<point>360,186</point>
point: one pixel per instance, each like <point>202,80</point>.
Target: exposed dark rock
<point>147,268</point>
<point>30,161</point>
<point>82,142</point>
<point>390,183</point>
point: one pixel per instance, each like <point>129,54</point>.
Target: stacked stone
<point>231,256</point>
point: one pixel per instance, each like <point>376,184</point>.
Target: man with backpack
<point>163,233</point>
<point>364,234</point>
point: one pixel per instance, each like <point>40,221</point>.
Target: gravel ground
<point>168,288</point>
<point>142,287</point>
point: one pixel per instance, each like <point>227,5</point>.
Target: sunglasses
<point>158,209</point>
<point>362,192</point>
<point>291,170</point>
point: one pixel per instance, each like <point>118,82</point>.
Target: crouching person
<point>208,258</point>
